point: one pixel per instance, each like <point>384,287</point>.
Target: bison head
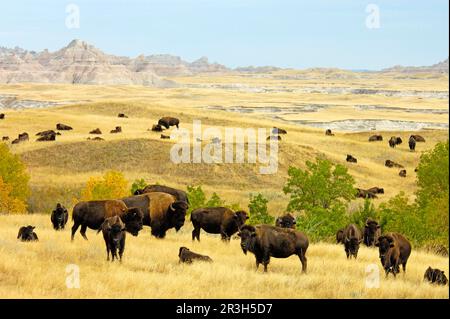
<point>176,214</point>
<point>353,245</point>
<point>133,220</point>
<point>384,243</point>
<point>371,228</point>
<point>240,217</point>
<point>286,221</point>
<point>59,213</point>
<point>248,238</point>
<point>116,232</point>
<point>138,192</point>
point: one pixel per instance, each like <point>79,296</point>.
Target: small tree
<point>138,184</point>
<point>215,201</point>
<point>112,185</point>
<point>258,210</point>
<point>8,203</point>
<point>14,174</point>
<point>196,197</point>
<point>366,211</point>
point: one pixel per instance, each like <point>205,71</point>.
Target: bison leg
<point>121,249</point>
<point>74,229</point>
<point>196,234</point>
<point>303,260</point>
<point>83,231</point>
<point>107,252</point>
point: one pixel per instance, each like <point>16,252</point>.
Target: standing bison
<point>412,143</point>
<point>59,217</point>
<point>352,239</point>
<point>340,236</point>
<point>179,194</point>
<point>394,251</point>
<point>168,121</point>
<point>371,232</point>
<point>394,141</point>
<point>217,220</point>
<point>114,234</point>
<point>93,213</point>
<point>266,241</point>
<point>286,221</point>
<point>161,211</point>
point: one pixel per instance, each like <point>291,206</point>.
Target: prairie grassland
<point>150,269</point>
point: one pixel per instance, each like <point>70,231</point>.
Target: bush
<point>138,184</point>
<point>258,211</point>
<point>196,197</point>
<point>215,201</point>
<point>366,211</point>
<point>8,203</point>
<point>13,173</point>
<point>112,185</point>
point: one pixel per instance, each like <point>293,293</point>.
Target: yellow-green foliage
<point>8,203</point>
<point>112,185</point>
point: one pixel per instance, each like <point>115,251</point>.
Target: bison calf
<point>187,256</point>
<point>435,276</point>
<point>394,251</point>
<point>59,217</point>
<point>266,241</point>
<point>114,235</point>
<point>26,233</point>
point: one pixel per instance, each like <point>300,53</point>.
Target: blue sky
<point>286,33</point>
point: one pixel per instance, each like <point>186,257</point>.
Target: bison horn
<point>171,207</point>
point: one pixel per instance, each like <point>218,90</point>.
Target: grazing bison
<point>26,233</point>
<point>23,137</point>
<point>266,241</point>
<point>2,116</point>
<point>362,193</point>
<point>394,251</point>
<point>96,131</point>
<point>5,138</point>
<point>157,128</point>
<point>351,159</point>
<point>122,115</point>
<point>418,138</point>
<point>352,239</point>
<point>217,220</point>
<point>340,236</point>
<point>187,256</point>
<point>286,221</point>
<point>93,213</point>
<point>328,132</point>
<point>161,211</point>
<point>391,164</point>
<point>15,141</point>
<point>273,137</point>
<point>402,173</point>
<point>98,138</point>
<point>46,136</point>
<point>118,129</point>
<point>277,130</point>
<point>59,217</point>
<point>167,137</point>
<point>371,232</point>
<point>375,138</point>
<point>412,143</point>
<point>394,141</point>
<point>168,121</point>
<point>376,190</point>
<point>114,234</point>
<point>435,276</point>
<point>179,194</point>
<point>63,127</point>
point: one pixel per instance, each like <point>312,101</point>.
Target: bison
<point>435,276</point>
<point>26,233</point>
<point>412,143</point>
<point>187,256</point>
<point>23,137</point>
<point>394,141</point>
<point>286,221</point>
<point>5,138</point>
<point>63,127</point>
<point>114,234</point>
<point>362,193</point>
<point>118,129</point>
<point>328,132</point>
<point>93,213</point>
<point>371,232</point>
<point>375,138</point>
<point>394,251</point>
<point>376,190</point>
<point>217,220</point>
<point>168,121</point>
<point>277,130</point>
<point>351,159</point>
<point>418,138</point>
<point>122,115</point>
<point>97,138</point>
<point>49,135</point>
<point>266,241</point>
<point>2,116</point>
<point>352,239</point>
<point>96,131</point>
<point>157,128</point>
<point>59,217</point>
<point>161,211</point>
<point>402,173</point>
<point>179,194</point>
<point>389,163</point>
<point>340,236</point>
<point>167,137</point>
<point>15,141</point>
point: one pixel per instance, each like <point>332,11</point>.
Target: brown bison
<point>168,121</point>
<point>352,239</point>
<point>286,221</point>
<point>179,194</point>
<point>49,135</point>
<point>418,138</point>
<point>376,190</point>
<point>5,138</point>
<point>351,159</point>
<point>217,220</point>
<point>266,241</point>
<point>114,234</point>
<point>167,137</point>
<point>97,138</point>
<point>23,137</point>
<point>96,131</point>
<point>277,130</point>
<point>187,256</point>
<point>2,116</point>
<point>375,138</point>
<point>63,127</point>
<point>340,236</point>
<point>122,115</point>
<point>26,233</point>
<point>371,232</point>
<point>118,129</point>
<point>362,193</point>
<point>157,128</point>
<point>93,213</point>
<point>402,173</point>
<point>59,217</point>
<point>394,141</point>
<point>15,141</point>
<point>394,251</point>
<point>390,163</point>
<point>412,143</point>
<point>161,211</point>
<point>435,276</point>
<point>328,132</point>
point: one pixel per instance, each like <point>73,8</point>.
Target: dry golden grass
<point>150,269</point>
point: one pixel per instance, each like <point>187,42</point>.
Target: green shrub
<point>258,210</point>
<point>138,184</point>
<point>365,211</point>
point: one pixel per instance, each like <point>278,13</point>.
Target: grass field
<point>150,269</point>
